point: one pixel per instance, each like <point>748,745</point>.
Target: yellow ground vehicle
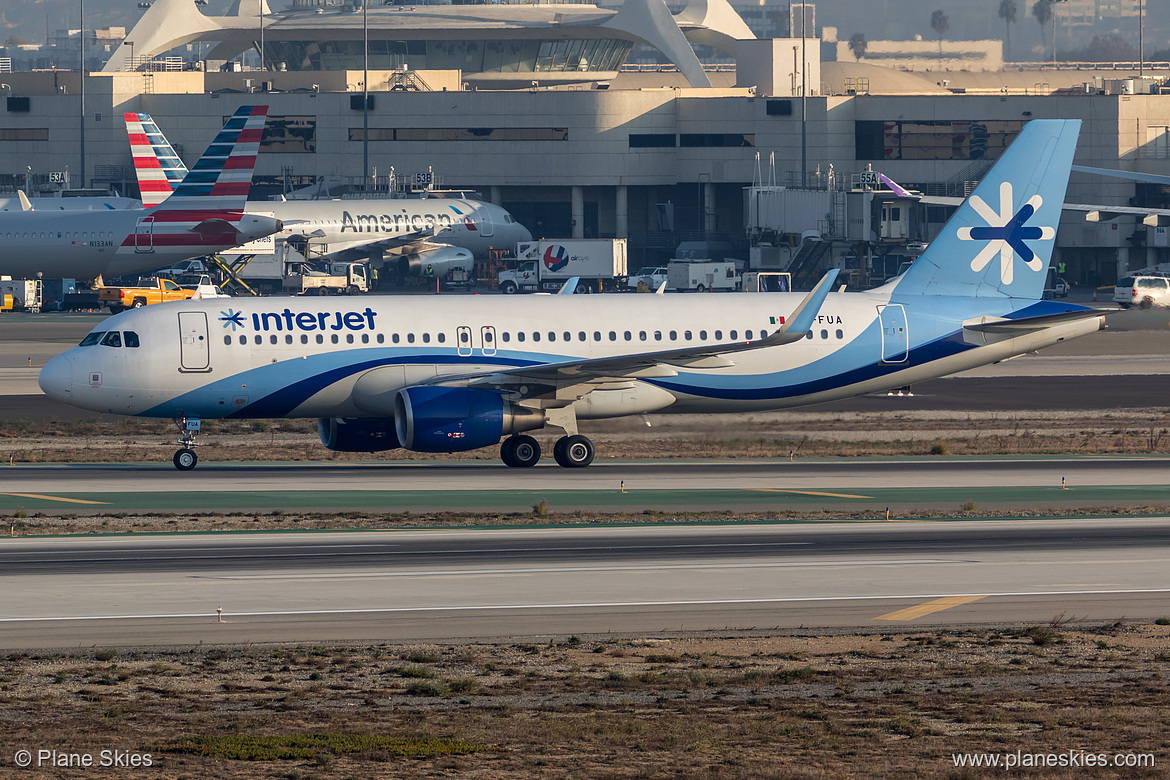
<point>144,293</point>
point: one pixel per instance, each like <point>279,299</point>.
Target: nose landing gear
<point>186,459</point>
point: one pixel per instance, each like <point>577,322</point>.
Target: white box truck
<point>598,263</point>
<point>20,294</point>
<point>701,275</point>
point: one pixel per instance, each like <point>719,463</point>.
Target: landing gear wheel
<point>185,460</point>
<point>520,451</point>
<point>573,452</point>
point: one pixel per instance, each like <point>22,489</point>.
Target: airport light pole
<point>365,94</point>
<point>803,101</point>
<point>261,2</point>
<point>81,74</point>
<point>1141,42</point>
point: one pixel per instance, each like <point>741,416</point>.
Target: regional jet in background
<point>205,215</point>
<point>413,234</point>
<point>390,372</point>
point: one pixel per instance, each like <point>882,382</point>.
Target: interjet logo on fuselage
<point>1006,232</point>
<point>288,320</point>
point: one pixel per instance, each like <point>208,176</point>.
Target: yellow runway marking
<point>938,605</point>
<point>809,493</point>
<point>55,498</point>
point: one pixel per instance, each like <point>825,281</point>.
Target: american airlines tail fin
<point>220,179</point>
<point>156,163</point>
<point>999,242</point>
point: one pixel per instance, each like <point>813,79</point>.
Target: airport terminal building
<point>589,149</point>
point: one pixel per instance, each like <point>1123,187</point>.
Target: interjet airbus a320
<point>418,373</point>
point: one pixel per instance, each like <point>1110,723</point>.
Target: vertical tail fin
<point>221,177</point>
<point>156,163</point>
<point>999,243</point>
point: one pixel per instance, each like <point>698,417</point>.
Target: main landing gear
<point>571,452</point>
<point>186,459</point>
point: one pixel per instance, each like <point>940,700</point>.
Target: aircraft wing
<point>572,379</point>
<point>360,248</point>
<point>1018,325</point>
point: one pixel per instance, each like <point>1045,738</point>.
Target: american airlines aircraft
<point>406,372</point>
<point>204,215</point>
<point>415,233</point>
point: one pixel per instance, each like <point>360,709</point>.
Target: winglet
<point>570,286</point>
<point>800,323</point>
<point>25,205</point>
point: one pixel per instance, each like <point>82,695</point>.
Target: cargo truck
<point>701,275</point>
<point>598,263</point>
<point>347,278</point>
<point>20,294</point>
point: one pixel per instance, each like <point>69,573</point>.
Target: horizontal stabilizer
<point>1023,324</point>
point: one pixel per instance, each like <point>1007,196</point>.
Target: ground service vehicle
<point>347,278</point>
<point>701,275</point>
<point>142,293</point>
<point>598,263</point>
<point>767,281</point>
<point>651,276</point>
<point>20,294</point>
<point>1143,291</point>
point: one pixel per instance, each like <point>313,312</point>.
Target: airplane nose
<point>525,234</point>
<point>56,378</point>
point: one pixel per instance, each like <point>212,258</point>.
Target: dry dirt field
<point>876,705</point>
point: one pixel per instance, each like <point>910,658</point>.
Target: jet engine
<point>347,434</point>
<point>457,419</point>
<point>436,262</point>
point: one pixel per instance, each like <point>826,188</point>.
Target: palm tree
<point>1007,12</point>
<point>940,24</point>
<point>1042,10</point>
<point>858,45</point>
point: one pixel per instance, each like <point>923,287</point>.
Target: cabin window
<point>734,335</point>
<point>365,338</point>
<point>702,335</point>
<point>581,336</point>
<point>320,339</point>
<point>824,334</point>
<point>288,339</point>
<point>658,335</point>
<point>536,335</point>
<point>810,335</point>
<point>568,336</point>
<point>348,338</point>
<point>747,335</point>
<point>629,336</point>
<point>426,338</point>
<point>674,335</point>
<point>552,336</point>
<point>840,333</point>
<point>687,335</point>
<point>259,339</point>
<point>381,338</point>
<point>227,340</point>
<point>506,337</point>
<point>334,338</point>
<point>394,338</point>
<point>487,337</point>
<point>719,335</point>
<point>597,335</point>
<point>464,337</point>
<point>520,335</point>
<point>410,338</point>
<point>612,336</point>
<point>304,339</point>
<point>272,339</point>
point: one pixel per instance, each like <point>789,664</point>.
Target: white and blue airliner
<point>449,375</point>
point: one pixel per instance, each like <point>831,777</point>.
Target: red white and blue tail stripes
<point>156,163</point>
<point>222,176</point>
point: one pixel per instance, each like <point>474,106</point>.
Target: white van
<point>1143,291</point>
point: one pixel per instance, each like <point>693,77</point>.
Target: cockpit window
<point>91,339</point>
<point>130,338</point>
<point>112,339</point>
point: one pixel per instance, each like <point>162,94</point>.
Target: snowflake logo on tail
<point>1006,233</point>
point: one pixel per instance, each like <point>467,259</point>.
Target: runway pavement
<point>453,585</point>
<point>862,483</point>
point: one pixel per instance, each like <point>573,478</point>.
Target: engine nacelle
<point>437,262</point>
<point>456,419</point>
<point>347,434</point>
